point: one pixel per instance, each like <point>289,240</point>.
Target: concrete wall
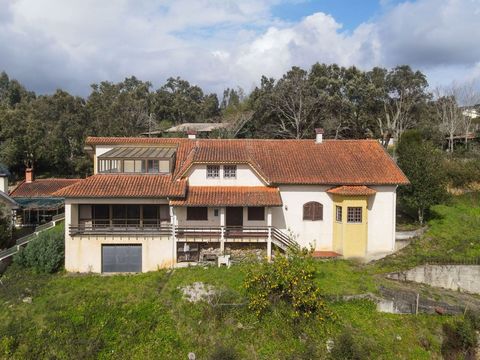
<point>454,277</point>
<point>246,176</point>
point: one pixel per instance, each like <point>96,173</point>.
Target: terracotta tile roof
<point>41,187</point>
<point>230,196</point>
<point>333,162</point>
<point>352,190</point>
<point>125,186</point>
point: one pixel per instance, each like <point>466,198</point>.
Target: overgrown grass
<point>145,317</point>
<point>453,235</point>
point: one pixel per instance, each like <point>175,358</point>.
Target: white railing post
<point>173,220</point>
<point>269,238</point>
<point>222,229</point>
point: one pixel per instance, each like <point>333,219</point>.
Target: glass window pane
<point>101,211</point>
<point>164,166</point>
<point>256,213</point>
<point>85,212</point>
<point>153,166</point>
<point>164,213</point>
<point>118,212</point>
<point>128,166</point>
<point>150,211</point>
<point>139,166</point>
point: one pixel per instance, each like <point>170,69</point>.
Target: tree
<point>402,91</point>
<point>5,227</point>
<point>421,162</point>
<point>294,102</point>
<point>449,115</point>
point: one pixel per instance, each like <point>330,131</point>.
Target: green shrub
<point>289,280</point>
<point>349,346</point>
<point>460,338</point>
<point>462,173</point>
<point>46,253</point>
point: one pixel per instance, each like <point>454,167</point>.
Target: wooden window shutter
<point>313,211</point>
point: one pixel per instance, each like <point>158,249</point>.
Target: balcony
<point>121,227</point>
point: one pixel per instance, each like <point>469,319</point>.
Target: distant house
<point>156,202</point>
<point>35,199</point>
<point>10,204</point>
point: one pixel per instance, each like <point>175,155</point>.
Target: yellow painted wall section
<point>350,239</point>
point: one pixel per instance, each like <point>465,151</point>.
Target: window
<point>354,214</point>
<point>213,171</point>
<point>133,166</point>
<point>338,213</point>
<point>108,166</point>
<point>153,166</point>
<point>197,213</point>
<point>313,211</point>
<point>101,214</point>
<point>164,166</point>
<point>256,213</point>
<point>84,213</point>
<point>230,171</point>
<point>215,212</point>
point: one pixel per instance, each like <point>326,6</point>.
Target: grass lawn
<point>145,317</point>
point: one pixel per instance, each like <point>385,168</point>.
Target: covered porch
<point>225,215</point>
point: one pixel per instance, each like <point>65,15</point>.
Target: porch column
<point>173,223</point>
<point>269,238</point>
<point>222,229</point>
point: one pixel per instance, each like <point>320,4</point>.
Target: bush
<point>460,338</point>
<point>350,347</point>
<point>289,280</point>
<point>46,253</point>
<point>462,173</point>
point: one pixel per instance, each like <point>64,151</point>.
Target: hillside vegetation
<point>145,316</point>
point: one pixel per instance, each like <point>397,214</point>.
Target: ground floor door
<point>121,258</point>
<point>234,216</point>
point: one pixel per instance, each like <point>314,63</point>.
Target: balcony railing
<point>121,226</point>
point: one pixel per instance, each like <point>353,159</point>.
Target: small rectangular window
<point>215,212</point>
<point>213,171</point>
<point>354,214</point>
<point>256,213</point>
<point>197,213</point>
<point>338,213</point>
<point>230,171</point>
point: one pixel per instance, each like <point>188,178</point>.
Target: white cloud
<point>215,43</point>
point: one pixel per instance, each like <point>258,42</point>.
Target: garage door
<point>121,258</point>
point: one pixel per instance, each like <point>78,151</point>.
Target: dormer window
<point>230,171</point>
<point>213,171</point>
<point>156,160</point>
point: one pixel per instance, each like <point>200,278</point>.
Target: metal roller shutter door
<point>121,258</point>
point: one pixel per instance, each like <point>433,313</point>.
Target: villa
<point>155,202</point>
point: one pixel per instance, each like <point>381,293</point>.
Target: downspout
<point>394,220</point>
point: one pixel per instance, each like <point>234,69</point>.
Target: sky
<point>71,44</point>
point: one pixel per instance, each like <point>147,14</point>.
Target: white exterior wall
<point>381,220</point>
<point>289,218</point>
<point>84,253</point>
<point>246,176</point>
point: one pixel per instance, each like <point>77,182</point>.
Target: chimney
<point>192,134</point>
<point>319,136</point>
<point>28,175</point>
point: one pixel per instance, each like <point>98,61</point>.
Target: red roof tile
<point>230,196</point>
<point>125,186</point>
<point>41,187</point>
<point>333,162</point>
<point>352,190</point>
